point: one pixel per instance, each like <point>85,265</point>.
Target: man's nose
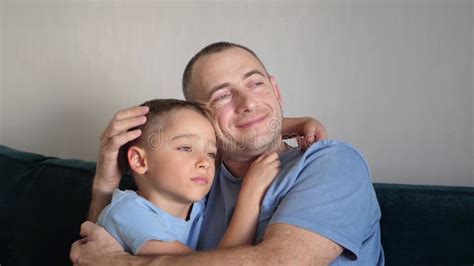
<point>246,102</point>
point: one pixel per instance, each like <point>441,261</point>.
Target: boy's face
<point>180,156</point>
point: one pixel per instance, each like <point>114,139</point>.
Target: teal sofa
<point>43,201</point>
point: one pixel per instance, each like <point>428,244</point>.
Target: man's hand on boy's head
<point>115,136</point>
<point>95,247</point>
<point>107,175</point>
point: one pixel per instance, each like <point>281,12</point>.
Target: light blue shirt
<point>327,190</point>
<point>132,220</point>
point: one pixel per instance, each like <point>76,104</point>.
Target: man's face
<point>244,102</point>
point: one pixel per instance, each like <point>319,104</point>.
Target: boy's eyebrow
<point>183,136</point>
<point>189,136</point>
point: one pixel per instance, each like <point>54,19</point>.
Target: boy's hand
<point>116,134</point>
<point>307,130</point>
<point>260,175</point>
<point>313,131</point>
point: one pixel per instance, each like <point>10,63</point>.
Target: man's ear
<point>137,159</point>
<point>276,89</point>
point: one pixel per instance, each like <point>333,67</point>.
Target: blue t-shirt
<point>132,220</point>
<point>327,190</point>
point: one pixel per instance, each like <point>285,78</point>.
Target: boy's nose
<point>202,162</point>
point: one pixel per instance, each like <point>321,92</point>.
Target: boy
<point>173,163</point>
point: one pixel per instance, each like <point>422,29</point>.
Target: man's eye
<point>221,97</point>
<point>185,148</point>
<point>212,155</point>
<point>256,84</point>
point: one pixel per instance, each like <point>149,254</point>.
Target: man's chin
<point>247,151</point>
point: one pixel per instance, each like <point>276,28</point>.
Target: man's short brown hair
<point>209,49</point>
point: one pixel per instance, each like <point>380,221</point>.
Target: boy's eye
<point>185,148</point>
<point>212,155</point>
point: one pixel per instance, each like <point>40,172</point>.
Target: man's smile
<point>252,122</point>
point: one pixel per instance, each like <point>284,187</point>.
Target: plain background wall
<point>394,78</point>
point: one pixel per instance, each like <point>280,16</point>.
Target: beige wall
<point>394,78</point>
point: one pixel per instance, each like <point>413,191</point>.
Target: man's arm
<point>107,177</point>
<point>282,244</point>
<point>100,198</point>
<point>155,247</point>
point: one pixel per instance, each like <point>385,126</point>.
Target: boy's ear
<point>136,159</point>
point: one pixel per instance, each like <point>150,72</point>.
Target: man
<point>321,209</point>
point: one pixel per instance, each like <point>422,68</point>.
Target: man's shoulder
<point>330,151</point>
<point>335,161</point>
<point>333,147</point>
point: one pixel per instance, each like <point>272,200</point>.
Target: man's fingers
<point>86,228</point>
<point>74,254</point>
<point>89,230</point>
<point>125,120</point>
<point>75,248</point>
<point>131,112</point>
<point>118,141</point>
<point>117,127</point>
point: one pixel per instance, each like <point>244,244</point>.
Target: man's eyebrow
<point>216,88</point>
<point>253,72</point>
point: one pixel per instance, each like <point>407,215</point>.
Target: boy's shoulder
<point>125,202</point>
<point>126,198</point>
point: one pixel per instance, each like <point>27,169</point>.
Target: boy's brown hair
<point>158,108</point>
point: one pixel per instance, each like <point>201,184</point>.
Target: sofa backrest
<point>427,225</point>
<point>44,200</point>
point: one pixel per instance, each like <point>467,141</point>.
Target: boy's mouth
<point>201,180</point>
